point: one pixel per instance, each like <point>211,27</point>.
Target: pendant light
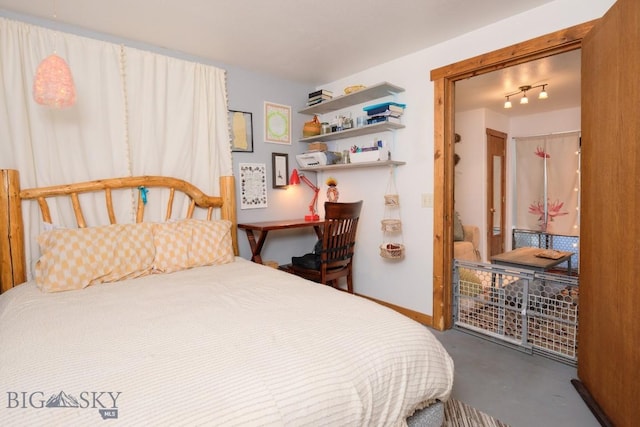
<point>53,83</point>
<point>543,93</point>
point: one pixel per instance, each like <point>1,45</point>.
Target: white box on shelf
<point>369,156</point>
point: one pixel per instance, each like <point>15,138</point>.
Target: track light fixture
<point>523,90</point>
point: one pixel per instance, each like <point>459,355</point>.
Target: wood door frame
<point>444,79</point>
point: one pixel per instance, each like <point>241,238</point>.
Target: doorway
<point>444,90</point>
<point>496,191</point>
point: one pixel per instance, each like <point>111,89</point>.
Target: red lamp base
<point>314,217</point>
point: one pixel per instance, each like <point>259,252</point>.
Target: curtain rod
<point>548,134</point>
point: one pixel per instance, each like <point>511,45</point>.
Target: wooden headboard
<point>12,249</point>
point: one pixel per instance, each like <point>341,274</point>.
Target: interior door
<point>609,332</point>
<point>496,191</point>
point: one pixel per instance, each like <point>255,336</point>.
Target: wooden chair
<point>338,241</point>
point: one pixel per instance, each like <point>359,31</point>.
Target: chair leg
<point>349,283</point>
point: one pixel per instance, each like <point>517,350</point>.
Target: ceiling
<point>561,73</point>
<point>316,42</point>
<point>308,41</point>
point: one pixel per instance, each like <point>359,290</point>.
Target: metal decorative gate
<point>531,311</point>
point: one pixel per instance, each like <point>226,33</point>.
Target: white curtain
<point>136,113</point>
<point>547,183</point>
<point>177,118</point>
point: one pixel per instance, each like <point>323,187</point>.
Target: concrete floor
<point>517,388</point>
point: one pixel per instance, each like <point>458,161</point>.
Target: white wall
<point>565,120</point>
<point>409,283</point>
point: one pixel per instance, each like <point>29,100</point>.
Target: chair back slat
<point>340,241</point>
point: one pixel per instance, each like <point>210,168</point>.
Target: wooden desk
<point>526,258</point>
<point>263,228</point>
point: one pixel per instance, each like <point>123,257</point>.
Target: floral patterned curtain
<point>548,183</point>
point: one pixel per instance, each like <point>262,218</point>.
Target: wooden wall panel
<point>609,328</point>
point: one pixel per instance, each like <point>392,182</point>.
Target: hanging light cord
<point>55,34</point>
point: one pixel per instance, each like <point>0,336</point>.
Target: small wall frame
<point>277,123</point>
<point>253,185</point>
<point>280,170</point>
<point>241,125</point>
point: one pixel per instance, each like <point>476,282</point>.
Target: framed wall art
<point>280,170</point>
<point>241,131</point>
<point>277,123</point>
<point>253,185</point>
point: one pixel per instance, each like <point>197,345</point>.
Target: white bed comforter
<point>237,344</point>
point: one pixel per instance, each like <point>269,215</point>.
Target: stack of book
<point>385,112</point>
<point>319,96</point>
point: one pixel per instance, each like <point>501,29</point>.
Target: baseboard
<point>596,410</point>
<point>425,319</point>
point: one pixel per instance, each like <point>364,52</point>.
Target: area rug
<point>458,414</point>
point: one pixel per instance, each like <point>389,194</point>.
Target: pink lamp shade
<point>53,83</point>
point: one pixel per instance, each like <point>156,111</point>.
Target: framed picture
<point>280,170</point>
<point>241,131</point>
<point>253,185</point>
<point>277,123</point>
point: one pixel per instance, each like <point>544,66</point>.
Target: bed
<point>187,338</point>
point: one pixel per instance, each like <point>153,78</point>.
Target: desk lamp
<point>295,180</point>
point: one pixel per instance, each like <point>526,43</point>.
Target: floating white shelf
<point>377,164</point>
<point>363,95</point>
<point>349,133</point>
